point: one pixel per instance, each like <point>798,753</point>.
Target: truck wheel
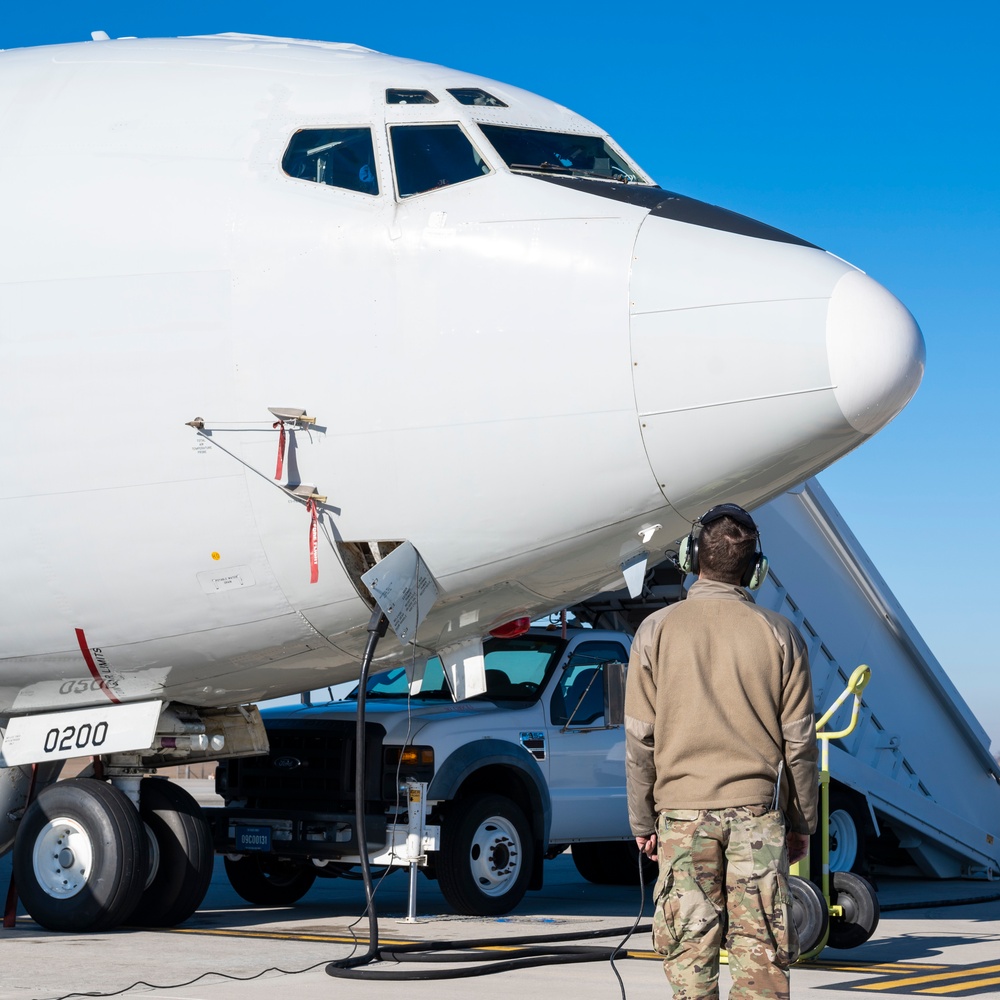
<point>486,856</point>
<point>847,836</point>
<point>268,881</point>
<point>613,862</point>
<point>861,910</point>
<point>80,856</point>
<point>181,854</point>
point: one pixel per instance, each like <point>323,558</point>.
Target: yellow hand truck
<point>840,909</point>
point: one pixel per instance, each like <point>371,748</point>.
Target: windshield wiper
<point>553,168</point>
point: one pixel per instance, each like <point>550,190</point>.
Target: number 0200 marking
<point>82,737</point>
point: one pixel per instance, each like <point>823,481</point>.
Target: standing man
<point>721,765</point>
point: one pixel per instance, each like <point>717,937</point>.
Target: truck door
<point>586,758</point>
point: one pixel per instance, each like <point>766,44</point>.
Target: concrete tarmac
<point>934,940</point>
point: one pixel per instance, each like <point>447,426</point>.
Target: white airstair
<point>918,756</point>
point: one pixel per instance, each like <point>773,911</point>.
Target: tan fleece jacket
<point>719,695</point>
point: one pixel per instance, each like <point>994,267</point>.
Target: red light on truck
<point>513,628</point>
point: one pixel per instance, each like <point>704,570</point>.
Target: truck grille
<point>310,766</point>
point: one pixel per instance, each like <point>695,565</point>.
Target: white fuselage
<point>522,377</point>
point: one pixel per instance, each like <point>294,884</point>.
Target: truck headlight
<point>408,762</point>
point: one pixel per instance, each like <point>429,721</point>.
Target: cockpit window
<point>475,96</point>
<point>433,156</point>
<point>397,96</point>
<point>340,157</point>
<point>536,151</point>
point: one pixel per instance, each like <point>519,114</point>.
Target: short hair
<point>725,548</point>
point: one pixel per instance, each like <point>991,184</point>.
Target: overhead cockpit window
<point>536,151</point>
<point>433,156</point>
<point>340,157</point>
<point>475,96</point>
<point>396,96</point>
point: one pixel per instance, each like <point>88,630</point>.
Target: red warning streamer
<point>95,672</point>
<point>313,541</point>
<point>280,424</point>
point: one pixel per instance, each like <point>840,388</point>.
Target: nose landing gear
<point>85,859</point>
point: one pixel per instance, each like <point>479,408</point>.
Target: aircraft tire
<point>810,914</point>
<point>613,862</point>
<point>861,910</point>
<point>182,854</point>
<point>80,857</point>
<point>266,881</point>
<point>486,856</point>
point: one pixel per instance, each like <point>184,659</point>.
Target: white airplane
<point>270,308</point>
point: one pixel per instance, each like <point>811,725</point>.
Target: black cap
<point>737,513</point>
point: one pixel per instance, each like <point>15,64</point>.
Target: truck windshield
<point>516,670</point>
<point>530,150</point>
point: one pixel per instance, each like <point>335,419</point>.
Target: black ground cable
<point>533,955</point>
<point>635,925</point>
<point>464,944</point>
<point>570,956</point>
<point>377,626</point>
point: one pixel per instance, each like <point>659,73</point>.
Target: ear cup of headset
<point>687,554</point>
<point>756,572</point>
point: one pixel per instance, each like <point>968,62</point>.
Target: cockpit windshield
<point>528,150</point>
<point>516,670</point>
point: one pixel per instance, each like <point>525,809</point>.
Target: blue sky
<point>867,128</point>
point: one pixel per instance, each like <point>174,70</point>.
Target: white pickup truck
<point>512,777</point>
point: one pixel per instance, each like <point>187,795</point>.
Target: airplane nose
<point>875,349</point>
<point>756,362</point>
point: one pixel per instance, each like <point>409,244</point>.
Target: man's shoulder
<point>782,626</point>
<point>651,624</point>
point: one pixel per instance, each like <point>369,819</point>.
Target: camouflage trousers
<point>723,880</point>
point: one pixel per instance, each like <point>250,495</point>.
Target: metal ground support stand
<point>407,844</point>
<point>843,909</point>
<point>416,800</point>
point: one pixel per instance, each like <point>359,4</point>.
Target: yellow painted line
<point>278,936</point>
<point>955,987</point>
<point>330,938</point>
<point>936,978</point>
<point>879,969</point>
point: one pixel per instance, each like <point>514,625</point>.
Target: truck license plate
<point>253,838</point>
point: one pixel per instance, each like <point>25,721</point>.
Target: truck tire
<point>267,881</point>
<point>613,862</point>
<point>486,856</point>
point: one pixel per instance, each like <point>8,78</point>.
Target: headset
<point>687,555</point>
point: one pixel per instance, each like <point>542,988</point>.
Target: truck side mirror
<point>614,693</point>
